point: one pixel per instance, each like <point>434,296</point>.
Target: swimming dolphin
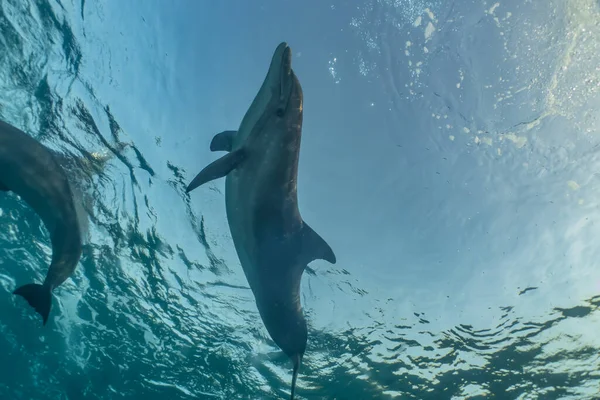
<point>29,169</point>
<point>272,241</point>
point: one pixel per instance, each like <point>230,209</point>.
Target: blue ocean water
<point>449,156</point>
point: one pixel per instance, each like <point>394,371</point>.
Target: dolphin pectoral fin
<point>314,247</point>
<point>218,168</point>
<point>4,188</point>
<point>222,141</point>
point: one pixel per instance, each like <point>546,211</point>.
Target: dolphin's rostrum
<point>272,241</point>
<point>30,170</point>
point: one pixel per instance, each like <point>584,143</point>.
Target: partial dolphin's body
<point>272,241</point>
<point>30,170</point>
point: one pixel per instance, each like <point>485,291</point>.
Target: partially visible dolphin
<point>272,241</point>
<point>30,169</point>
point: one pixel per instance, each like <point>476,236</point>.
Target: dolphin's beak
<point>283,54</point>
<point>286,60</point>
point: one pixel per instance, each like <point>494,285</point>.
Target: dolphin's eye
<point>280,111</point>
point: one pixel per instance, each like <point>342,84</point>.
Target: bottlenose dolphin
<point>29,169</point>
<point>272,241</point>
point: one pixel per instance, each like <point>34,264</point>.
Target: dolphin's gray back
<point>30,170</point>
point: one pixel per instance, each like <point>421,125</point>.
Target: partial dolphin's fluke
<point>297,360</point>
<point>38,296</point>
<point>217,169</point>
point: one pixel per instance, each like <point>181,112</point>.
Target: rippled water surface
<point>450,157</point>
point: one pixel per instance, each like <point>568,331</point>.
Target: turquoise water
<point>449,157</point>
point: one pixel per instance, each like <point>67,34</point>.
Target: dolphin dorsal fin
<point>218,168</point>
<point>222,141</point>
<point>314,247</point>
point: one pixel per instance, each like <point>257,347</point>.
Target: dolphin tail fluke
<point>296,360</point>
<point>218,169</point>
<point>38,296</point>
